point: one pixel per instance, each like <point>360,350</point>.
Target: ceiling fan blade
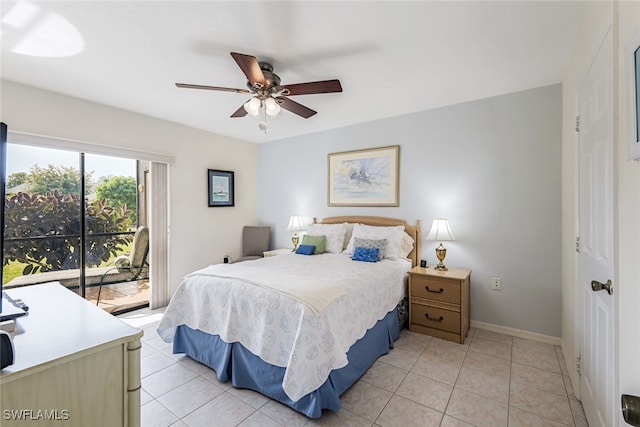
<point>324,86</point>
<point>295,108</point>
<point>222,89</point>
<point>240,112</point>
<point>250,67</point>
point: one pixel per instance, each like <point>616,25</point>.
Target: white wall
<point>199,235</point>
<point>491,166</point>
<point>625,16</point>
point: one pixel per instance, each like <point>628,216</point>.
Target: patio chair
<point>255,241</point>
<point>133,266</point>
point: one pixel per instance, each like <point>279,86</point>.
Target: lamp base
<point>441,253</point>
<point>295,240</point>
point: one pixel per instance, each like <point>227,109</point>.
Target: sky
<point>21,158</point>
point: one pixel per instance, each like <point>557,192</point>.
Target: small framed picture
<point>220,187</point>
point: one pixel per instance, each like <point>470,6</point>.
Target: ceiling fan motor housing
<point>271,79</point>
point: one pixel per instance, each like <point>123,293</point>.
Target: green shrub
<point>56,214</point>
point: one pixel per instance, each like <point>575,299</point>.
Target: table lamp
<point>440,231</point>
<point>295,225</point>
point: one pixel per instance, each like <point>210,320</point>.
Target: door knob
<point>631,409</point>
<point>598,286</point>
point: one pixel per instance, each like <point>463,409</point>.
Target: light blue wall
<point>492,167</point>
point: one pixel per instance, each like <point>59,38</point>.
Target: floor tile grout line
<point>453,387</point>
<point>509,387</point>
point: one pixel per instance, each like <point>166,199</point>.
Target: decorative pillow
<point>365,254</point>
<point>334,234</point>
<point>320,242</point>
<point>305,249</point>
<point>369,243</point>
<point>407,245</point>
<point>392,234</point>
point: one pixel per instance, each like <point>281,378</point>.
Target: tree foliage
<point>65,179</point>
<point>121,191</point>
<point>43,217</point>
<point>16,179</point>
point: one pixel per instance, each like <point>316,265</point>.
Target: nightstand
<point>276,252</point>
<point>439,302</point>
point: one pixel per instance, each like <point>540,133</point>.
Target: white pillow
<point>334,233</point>
<point>407,245</point>
<point>392,234</point>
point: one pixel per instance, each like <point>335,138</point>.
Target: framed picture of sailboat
<point>220,188</point>
<point>364,177</point>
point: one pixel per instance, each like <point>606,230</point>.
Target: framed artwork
<point>220,188</point>
<point>364,177</point>
<point>633,59</point>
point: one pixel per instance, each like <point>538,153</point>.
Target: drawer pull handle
<point>435,292</point>
<point>439,319</point>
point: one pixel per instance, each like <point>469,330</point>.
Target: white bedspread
<point>278,326</point>
<point>315,292</point>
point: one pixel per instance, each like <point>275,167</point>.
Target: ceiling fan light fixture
<point>252,106</point>
<point>272,106</point>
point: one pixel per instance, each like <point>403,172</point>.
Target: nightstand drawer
<point>437,318</point>
<point>435,289</point>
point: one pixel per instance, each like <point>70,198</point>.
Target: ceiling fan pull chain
<point>263,124</point>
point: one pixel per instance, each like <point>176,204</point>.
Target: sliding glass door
<point>71,217</point>
<point>42,217</point>
<point>111,220</point>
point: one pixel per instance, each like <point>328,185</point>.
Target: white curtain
<point>158,216</point>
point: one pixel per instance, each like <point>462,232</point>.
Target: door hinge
<point>578,244</point>
<point>577,123</point>
<point>578,363</point>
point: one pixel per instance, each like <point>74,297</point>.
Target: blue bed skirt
<point>246,370</point>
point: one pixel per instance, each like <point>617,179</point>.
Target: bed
<point>300,329</point>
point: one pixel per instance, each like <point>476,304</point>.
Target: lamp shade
<point>440,230</point>
<point>252,106</point>
<point>272,106</point>
<point>295,223</point>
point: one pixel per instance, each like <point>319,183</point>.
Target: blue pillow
<point>381,244</point>
<point>365,254</point>
<point>305,249</point>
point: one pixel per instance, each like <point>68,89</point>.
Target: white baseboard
<point>548,339</point>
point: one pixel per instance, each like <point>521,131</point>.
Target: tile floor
<point>492,380</point>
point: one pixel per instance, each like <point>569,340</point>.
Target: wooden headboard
<point>412,230</point>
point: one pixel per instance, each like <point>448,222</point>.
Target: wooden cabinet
<point>75,364</point>
<point>439,302</point>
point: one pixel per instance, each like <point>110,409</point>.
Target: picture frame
<point>633,69</point>
<point>220,188</point>
<point>368,177</point>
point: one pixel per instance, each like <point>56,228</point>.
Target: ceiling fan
<point>268,93</point>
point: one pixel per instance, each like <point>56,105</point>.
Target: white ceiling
<point>391,57</point>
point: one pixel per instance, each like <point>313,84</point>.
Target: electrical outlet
<point>496,283</point>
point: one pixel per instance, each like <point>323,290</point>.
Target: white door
<point>596,239</point>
